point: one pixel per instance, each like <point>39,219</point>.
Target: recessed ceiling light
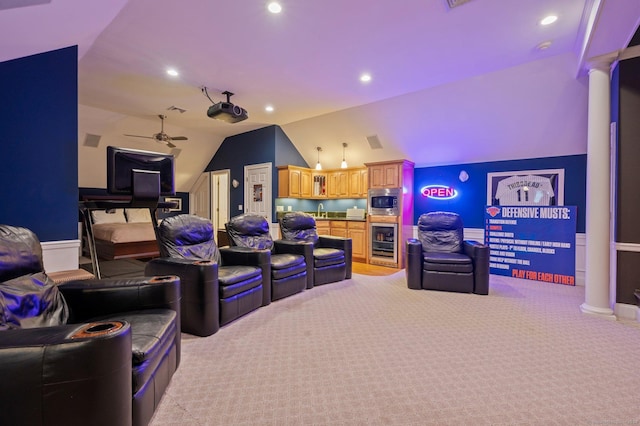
<point>274,7</point>
<point>269,108</point>
<point>549,20</point>
<point>544,45</point>
<point>365,78</point>
<point>172,72</point>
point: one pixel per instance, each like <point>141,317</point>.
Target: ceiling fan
<point>162,137</point>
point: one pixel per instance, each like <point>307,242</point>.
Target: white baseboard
<point>626,311</point>
<point>60,255</point>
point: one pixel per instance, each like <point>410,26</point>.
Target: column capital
<point>602,62</point>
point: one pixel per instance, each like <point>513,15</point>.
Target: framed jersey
<point>526,188</point>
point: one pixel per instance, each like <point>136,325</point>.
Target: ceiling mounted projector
<point>226,111</point>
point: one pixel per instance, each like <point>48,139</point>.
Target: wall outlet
<point>288,208</point>
<point>239,206</point>
<point>279,208</point>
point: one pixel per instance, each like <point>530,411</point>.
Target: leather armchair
<point>328,258</point>
<point>98,352</point>
<point>288,270</point>
<point>218,285</point>
<point>440,259</point>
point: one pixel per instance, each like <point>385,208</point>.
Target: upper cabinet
<point>390,174</point>
<point>294,182</point>
<point>358,182</point>
<point>386,175</point>
<point>301,182</point>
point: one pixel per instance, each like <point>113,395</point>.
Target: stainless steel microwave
<point>383,201</point>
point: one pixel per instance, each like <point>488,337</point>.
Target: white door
<point>257,190</point>
<point>200,197</point>
<point>220,198</point>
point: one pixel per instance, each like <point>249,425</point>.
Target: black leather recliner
<point>84,352</point>
<point>288,269</point>
<point>218,285</point>
<point>440,259</point>
<point>328,258</point>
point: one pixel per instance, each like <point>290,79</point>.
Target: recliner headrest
<point>299,226</point>
<point>187,236</point>
<point>249,230</point>
<point>20,252</point>
<point>441,232</point>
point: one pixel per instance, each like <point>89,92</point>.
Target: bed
<point>124,233</point>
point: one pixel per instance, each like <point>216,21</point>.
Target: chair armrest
<point>414,264</point>
<point>479,254</point>
<point>199,289</point>
<point>290,246</point>
<point>345,244</point>
<point>51,377</point>
<point>88,299</point>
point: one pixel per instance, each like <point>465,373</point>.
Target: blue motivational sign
<point>534,243</point>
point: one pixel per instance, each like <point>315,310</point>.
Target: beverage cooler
<point>383,243</point>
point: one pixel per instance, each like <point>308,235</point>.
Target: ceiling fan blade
<point>179,138</point>
<point>170,145</point>
<point>138,136</point>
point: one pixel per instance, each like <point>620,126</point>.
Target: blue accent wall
<point>266,145</point>
<point>39,138</point>
<point>472,194</point>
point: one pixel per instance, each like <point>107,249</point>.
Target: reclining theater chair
<point>328,258</point>
<point>441,260</point>
<point>288,270</point>
<point>83,352</point>
<point>218,285</point>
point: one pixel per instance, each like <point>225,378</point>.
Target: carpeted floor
<point>369,351</point>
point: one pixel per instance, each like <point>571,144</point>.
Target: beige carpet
<point>369,351</point>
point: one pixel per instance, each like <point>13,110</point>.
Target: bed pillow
<point>138,215</point>
<point>101,216</point>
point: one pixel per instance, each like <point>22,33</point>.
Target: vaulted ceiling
<point>306,62</point>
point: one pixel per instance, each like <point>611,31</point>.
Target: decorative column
<point>598,241</point>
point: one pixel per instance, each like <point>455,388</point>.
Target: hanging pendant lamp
<point>318,165</point>
<point>343,165</point>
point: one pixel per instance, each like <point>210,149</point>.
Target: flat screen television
<point>124,163</point>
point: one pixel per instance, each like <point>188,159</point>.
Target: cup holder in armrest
<point>96,329</point>
<point>163,279</point>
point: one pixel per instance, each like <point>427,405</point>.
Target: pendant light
<point>318,165</point>
<point>343,165</point>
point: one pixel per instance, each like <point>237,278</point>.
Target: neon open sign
<point>440,192</point>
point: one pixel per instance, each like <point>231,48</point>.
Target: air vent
<point>456,3</point>
<point>374,142</point>
<point>92,140</point>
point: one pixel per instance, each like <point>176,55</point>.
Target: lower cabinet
<point>355,230</point>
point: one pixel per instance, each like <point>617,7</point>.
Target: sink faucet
<point>320,207</point>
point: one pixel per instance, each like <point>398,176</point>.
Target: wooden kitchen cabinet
<point>357,231</point>
<point>338,184</point>
<point>338,228</point>
<point>323,227</point>
<point>301,182</point>
<point>384,176</point>
<point>294,182</point>
<point>358,182</point>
